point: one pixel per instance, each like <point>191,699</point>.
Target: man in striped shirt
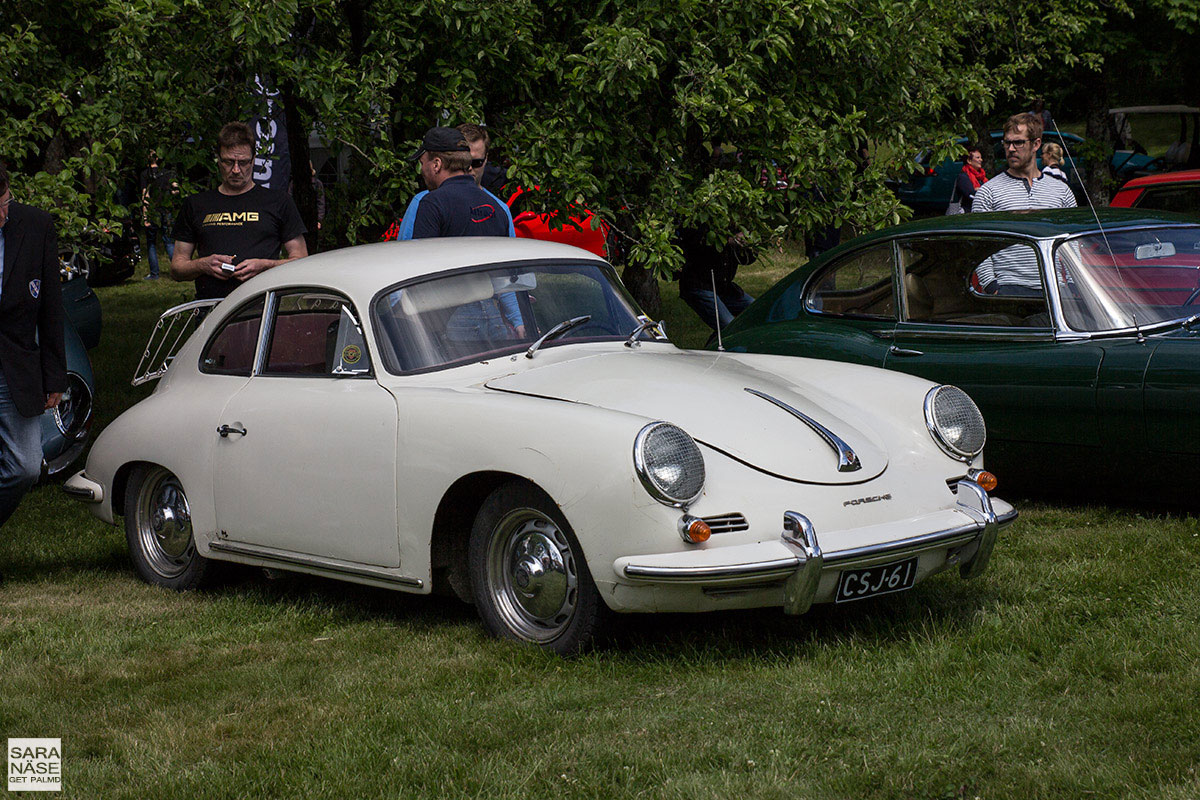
<point>1022,186</point>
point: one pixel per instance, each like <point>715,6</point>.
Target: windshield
<point>1129,278</point>
<point>469,316</point>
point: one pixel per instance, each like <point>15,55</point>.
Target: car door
<point>306,457</point>
<point>845,312</point>
<point>1173,395</point>
<point>1000,348</point>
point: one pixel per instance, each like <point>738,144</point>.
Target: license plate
<point>858,584</point>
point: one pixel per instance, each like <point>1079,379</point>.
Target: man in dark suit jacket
<point>33,364</point>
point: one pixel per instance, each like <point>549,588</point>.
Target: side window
<point>1182,199</point>
<point>231,350</point>
<point>316,333</point>
<point>859,285</point>
<point>972,281</point>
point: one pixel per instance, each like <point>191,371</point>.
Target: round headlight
<point>955,422</point>
<point>669,464</point>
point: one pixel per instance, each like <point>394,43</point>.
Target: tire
<point>528,575</point>
<point>158,528</point>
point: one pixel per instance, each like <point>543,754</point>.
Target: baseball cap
<point>442,140</point>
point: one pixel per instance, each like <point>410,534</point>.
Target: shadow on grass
<point>946,603</point>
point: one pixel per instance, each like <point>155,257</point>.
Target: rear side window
<point>859,285</point>
<point>1184,199</point>
<point>231,349</point>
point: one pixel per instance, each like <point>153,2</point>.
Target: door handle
<point>225,430</point>
<point>904,352</point>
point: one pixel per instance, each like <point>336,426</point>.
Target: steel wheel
<point>74,263</point>
<point>531,575</point>
<point>158,527</point>
<point>528,575</point>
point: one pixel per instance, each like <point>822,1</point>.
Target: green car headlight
<point>954,422</point>
<point>669,464</point>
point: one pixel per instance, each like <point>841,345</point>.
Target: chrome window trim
<point>993,334</point>
<point>265,329</point>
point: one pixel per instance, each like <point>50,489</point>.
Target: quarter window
<point>231,350</point>
<point>859,285</point>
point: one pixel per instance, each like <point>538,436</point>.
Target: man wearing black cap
<point>454,204</point>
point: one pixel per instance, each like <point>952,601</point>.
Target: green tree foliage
<point>615,104</point>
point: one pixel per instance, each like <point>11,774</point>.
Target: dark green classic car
<point>1077,334</point>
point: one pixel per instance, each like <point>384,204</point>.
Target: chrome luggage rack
<point>182,321</point>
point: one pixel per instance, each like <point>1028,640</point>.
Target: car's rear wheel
<point>528,576</point>
<point>158,527</point>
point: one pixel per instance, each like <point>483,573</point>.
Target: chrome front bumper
<point>801,561</point>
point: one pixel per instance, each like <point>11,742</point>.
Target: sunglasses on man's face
<point>476,163</point>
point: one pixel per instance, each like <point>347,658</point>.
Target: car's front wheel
<point>528,576</point>
<point>158,527</point>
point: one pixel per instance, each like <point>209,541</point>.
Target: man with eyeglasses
<point>33,363</point>
<point>236,230</point>
<point>1021,186</point>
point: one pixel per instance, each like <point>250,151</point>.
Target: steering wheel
<point>1191,299</point>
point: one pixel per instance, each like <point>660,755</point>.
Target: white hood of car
<point>706,395</point>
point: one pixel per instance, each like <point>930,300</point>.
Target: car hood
<point>707,395</point>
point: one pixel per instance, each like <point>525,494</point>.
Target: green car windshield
<point>1129,278</point>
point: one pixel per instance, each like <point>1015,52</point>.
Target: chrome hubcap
<point>165,525</point>
<point>532,575</point>
<point>538,574</point>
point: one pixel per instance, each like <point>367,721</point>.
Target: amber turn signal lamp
<point>693,530</point>
<point>986,480</point>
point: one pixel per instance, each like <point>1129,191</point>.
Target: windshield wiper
<point>556,331</point>
<point>648,323</point>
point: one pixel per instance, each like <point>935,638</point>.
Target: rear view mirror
<point>1154,250</point>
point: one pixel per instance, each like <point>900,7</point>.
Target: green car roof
<point>1039,223</point>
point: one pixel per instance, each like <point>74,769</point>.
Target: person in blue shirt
<point>455,205</point>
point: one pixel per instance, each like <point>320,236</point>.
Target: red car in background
<point>1167,191</point>
<point>532,225</point>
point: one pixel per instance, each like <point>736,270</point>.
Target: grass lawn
<point>1071,669</point>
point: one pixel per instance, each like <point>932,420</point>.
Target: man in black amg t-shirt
<point>236,229</point>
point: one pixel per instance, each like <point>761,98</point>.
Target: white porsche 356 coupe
<point>495,414</point>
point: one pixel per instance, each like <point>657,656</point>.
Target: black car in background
<point>102,256</point>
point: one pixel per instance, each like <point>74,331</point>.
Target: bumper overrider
<point>798,560</point>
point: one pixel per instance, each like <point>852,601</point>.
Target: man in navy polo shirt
<point>454,204</point>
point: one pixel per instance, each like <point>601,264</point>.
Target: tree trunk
<point>1098,176</point>
<point>303,191</point>
<point>642,284</point>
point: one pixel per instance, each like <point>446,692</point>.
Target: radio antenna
<point>1087,196</point>
<point>716,310</point>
